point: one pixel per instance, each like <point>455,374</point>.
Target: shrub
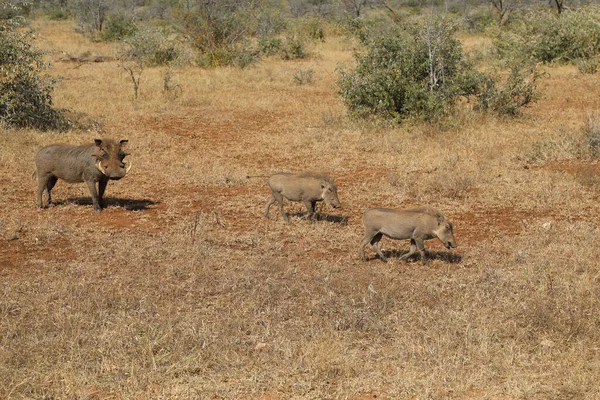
<point>417,73</point>
<point>25,94</point>
<point>147,47</point>
<point>304,76</point>
<point>292,48</point>
<point>314,29</point>
<point>517,90</point>
<point>219,32</point>
<point>588,66</point>
<point>118,27</point>
<point>269,45</point>
<point>544,37</point>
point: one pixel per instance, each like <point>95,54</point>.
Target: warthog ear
<point>124,141</point>
<point>322,186</point>
<point>440,219</point>
<point>98,142</point>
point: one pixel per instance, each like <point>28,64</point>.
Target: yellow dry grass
<point>180,289</point>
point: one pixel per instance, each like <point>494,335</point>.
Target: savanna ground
<point>180,289</point>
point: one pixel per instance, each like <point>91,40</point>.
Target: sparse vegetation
<point>147,48</point>
<point>180,289</point>
<point>592,134</point>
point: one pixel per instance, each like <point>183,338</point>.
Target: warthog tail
<point>257,176</point>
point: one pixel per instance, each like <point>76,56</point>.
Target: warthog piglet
<point>417,224</point>
<point>308,188</point>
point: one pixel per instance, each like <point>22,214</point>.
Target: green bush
<point>269,45</point>
<point>151,47</point>
<point>219,33</point>
<point>546,37</point>
<point>507,97</point>
<point>304,77</point>
<point>25,94</point>
<point>59,14</point>
<point>292,48</point>
<point>118,27</point>
<point>413,73</point>
<point>420,71</point>
<point>588,66</point>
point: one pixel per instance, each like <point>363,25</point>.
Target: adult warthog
<point>96,163</point>
<point>417,224</point>
<point>306,187</point>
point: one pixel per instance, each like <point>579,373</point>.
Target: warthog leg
<point>416,244</point>
<point>94,194</point>
<point>270,201</point>
<point>51,182</point>
<point>310,208</point>
<point>375,245</point>
<point>276,197</point>
<point>42,186</point>
<point>101,188</point>
<point>45,185</point>
<point>373,238</point>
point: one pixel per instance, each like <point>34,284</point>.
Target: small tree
<point>146,48</point>
<point>559,4</point>
<point>503,9</point>
<point>356,7</point>
<point>92,14</point>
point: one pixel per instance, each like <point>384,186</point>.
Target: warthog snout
<point>330,195</point>
<point>446,235</point>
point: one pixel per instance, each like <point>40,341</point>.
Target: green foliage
<point>293,48</point>
<point>25,95</point>
<point>269,45</point>
<point>588,66</point>
<point>478,19</point>
<point>59,14</point>
<point>118,27</point>
<point>420,71</point>
<point>218,31</point>
<point>147,47</point>
<point>517,90</point>
<point>546,37</point>
<point>14,9</point>
<point>241,55</point>
<point>415,73</point>
<point>313,29</point>
<point>150,47</point>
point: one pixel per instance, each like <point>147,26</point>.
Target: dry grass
<point>180,289</point>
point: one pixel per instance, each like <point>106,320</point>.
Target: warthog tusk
<point>128,168</point>
<point>98,164</point>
